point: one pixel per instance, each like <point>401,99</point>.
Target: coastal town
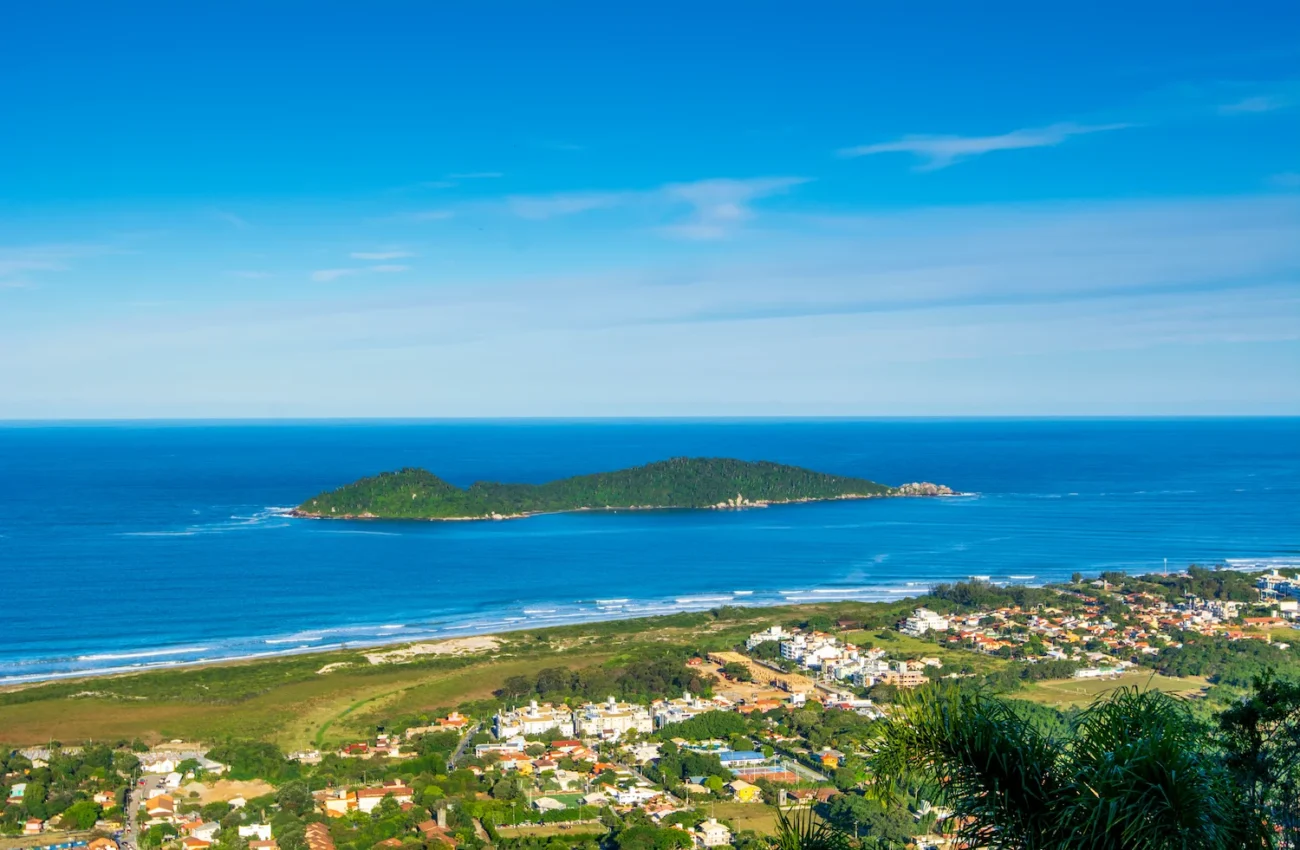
<point>783,721</point>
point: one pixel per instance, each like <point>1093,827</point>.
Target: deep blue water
<point>145,544</point>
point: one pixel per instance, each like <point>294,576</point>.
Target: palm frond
<point>805,831</point>
<point>982,759</point>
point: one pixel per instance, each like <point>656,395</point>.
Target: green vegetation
<point>1135,769</point>
<point>62,790</point>
<point>677,483</point>
<point>1225,661</point>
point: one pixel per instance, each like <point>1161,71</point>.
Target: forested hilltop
<point>677,483</point>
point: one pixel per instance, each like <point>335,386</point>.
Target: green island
<point>680,482</point>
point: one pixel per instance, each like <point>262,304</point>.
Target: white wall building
<point>772,633</point>
<point>612,720</point>
<point>533,720</point>
<point>924,620</point>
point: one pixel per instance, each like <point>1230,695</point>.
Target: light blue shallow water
<point>129,545</point>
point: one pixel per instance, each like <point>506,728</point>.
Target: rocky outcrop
<point>924,488</point>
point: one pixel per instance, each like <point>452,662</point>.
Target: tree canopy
<point>680,482</point>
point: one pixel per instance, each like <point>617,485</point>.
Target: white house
<point>206,831</point>
<point>259,831</point>
<point>368,799</point>
<point>712,834</point>
<point>161,764</point>
<point>635,796</point>
<point>548,804</point>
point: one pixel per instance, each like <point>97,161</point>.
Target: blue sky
<point>590,209</point>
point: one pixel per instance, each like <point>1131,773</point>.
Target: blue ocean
<point>132,546</point>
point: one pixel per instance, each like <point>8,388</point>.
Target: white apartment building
<point>664,711</point>
<point>924,620</point>
<point>772,633</point>
<point>533,720</point>
<point>612,720</point>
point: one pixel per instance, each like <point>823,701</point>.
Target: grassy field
<point>289,702</point>
<point>1079,693</point>
<point>326,709</point>
<point>756,816</point>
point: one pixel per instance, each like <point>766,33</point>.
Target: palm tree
<point>804,831</point>
<point>1136,771</point>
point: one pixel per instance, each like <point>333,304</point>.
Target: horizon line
<point>416,420</point>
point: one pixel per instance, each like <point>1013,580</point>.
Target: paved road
<point>135,797</point>
<point>460,749</point>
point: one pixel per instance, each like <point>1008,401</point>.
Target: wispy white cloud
<point>719,207</point>
<point>972,309</point>
<point>564,203</point>
<point>1285,180</point>
<point>327,275</point>
<point>475,175</point>
<point>433,215</point>
<point>251,275</point>
<point>18,264</point>
<point>713,208</point>
<point>231,219</point>
<point>942,151</point>
<point>1255,104</point>
<point>380,255</point>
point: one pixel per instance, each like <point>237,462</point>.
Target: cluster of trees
<point>720,725</point>
<point>63,789</point>
<point>1227,662</point>
<point>976,595</point>
<point>1229,585</point>
<point>678,482</point>
<point>644,679</point>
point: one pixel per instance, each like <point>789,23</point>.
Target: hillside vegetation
<point>676,483</point>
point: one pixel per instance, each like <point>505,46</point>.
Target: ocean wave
<point>262,519</point>
<point>152,653</point>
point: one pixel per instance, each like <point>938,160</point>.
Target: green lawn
<point>1068,693</point>
<point>756,816</point>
